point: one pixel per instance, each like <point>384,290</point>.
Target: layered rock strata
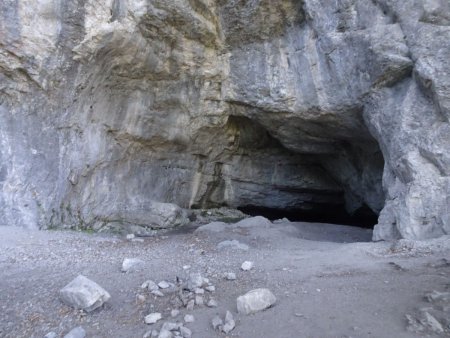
<point>112,111</point>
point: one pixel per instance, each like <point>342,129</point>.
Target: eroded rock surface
<point>114,112</point>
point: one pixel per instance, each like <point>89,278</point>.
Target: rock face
<point>113,113</point>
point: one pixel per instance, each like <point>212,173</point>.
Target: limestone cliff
<point>111,109</point>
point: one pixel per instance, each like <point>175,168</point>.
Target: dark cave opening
<point>364,217</point>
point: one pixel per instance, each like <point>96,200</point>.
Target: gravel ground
<point>329,280</point>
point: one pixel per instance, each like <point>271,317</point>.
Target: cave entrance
<point>364,217</point>
<point>339,182</point>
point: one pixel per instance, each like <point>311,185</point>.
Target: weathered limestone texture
<point>122,113</point>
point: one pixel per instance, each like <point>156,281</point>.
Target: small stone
<point>140,298</point>
<point>230,276</point>
<point>186,267</point>
<point>130,236</point>
<point>174,313</point>
<point>170,326</point>
<point>77,332</point>
<point>163,285</point>
<point>210,288</point>
<point>189,319</point>
<point>230,324</point>
<point>442,298</point>
<point>199,300</point>
<point>51,335</point>
<point>212,303</point>
<point>190,305</point>
<point>185,332</point>
<point>152,318</point>
<point>432,323</point>
<point>151,334</point>
<point>165,334</point>
<point>84,294</point>
<point>157,293</point>
<point>195,281</point>
<point>132,264</point>
<point>247,265</point>
<point>217,323</point>
<point>150,285</point>
<point>199,291</point>
<point>255,300</point>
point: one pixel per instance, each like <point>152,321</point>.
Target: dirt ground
<point>329,280</point>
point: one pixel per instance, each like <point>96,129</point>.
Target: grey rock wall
<point>112,111</point>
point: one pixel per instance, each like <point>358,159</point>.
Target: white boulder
<point>255,301</point>
<point>132,264</point>
<point>84,294</point>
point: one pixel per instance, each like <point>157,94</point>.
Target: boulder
<point>84,294</point>
<point>255,301</point>
<point>132,264</point>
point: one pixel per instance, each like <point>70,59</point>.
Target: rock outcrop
<point>113,111</point>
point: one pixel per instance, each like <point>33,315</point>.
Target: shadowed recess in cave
<point>364,217</point>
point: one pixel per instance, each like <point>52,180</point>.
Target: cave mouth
<point>364,217</point>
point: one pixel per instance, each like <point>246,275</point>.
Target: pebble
<point>174,313</point>
<point>190,305</point>
<point>152,318</point>
<point>210,288</point>
<point>199,300</point>
<point>77,332</point>
<point>212,303</point>
<point>165,334</point>
<point>195,281</point>
<point>247,265</point>
<point>432,323</point>
<point>170,326</point>
<point>130,236</point>
<point>151,334</point>
<point>51,335</point>
<point>230,276</point>
<point>199,291</point>
<point>255,301</point>
<point>230,324</point>
<point>82,293</point>
<point>442,298</point>
<point>132,264</point>
<point>185,332</point>
<point>163,285</point>
<point>150,285</point>
<point>189,319</point>
<point>217,323</point>
<point>157,293</point>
